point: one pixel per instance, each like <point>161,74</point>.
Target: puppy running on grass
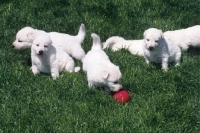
<point>48,59</point>
<point>101,72</point>
<point>159,50</point>
<point>70,44</point>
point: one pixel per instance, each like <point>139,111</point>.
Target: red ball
<point>122,96</point>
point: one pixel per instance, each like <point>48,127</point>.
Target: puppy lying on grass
<point>159,50</point>
<point>184,38</point>
<point>101,72</point>
<point>115,43</point>
<point>70,44</point>
<point>48,59</point>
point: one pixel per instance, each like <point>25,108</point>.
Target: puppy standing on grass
<point>185,37</point>
<point>48,59</point>
<point>99,69</point>
<point>70,44</point>
<point>115,43</point>
<point>159,50</point>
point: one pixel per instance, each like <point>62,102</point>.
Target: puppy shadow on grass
<point>102,89</point>
<point>158,66</point>
<point>194,50</point>
<point>28,62</point>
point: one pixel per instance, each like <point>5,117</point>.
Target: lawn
<point>160,101</point>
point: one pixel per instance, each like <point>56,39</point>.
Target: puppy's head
<point>111,77</point>
<point>24,38</point>
<point>152,37</point>
<point>41,43</point>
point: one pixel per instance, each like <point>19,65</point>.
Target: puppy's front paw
<point>55,76</point>
<point>165,69</point>
<point>165,66</point>
<point>147,62</point>
<point>177,64</point>
<point>115,89</point>
<point>34,70</point>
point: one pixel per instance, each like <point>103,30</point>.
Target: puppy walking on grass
<point>101,72</point>
<point>48,59</point>
<point>159,50</point>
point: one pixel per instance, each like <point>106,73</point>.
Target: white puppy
<point>185,37</point>
<point>48,59</point>
<point>99,69</point>
<point>70,44</point>
<point>159,50</point>
<point>115,43</point>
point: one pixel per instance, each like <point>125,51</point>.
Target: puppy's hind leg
<point>185,47</point>
<point>70,67</point>
<point>165,63</point>
<point>54,72</point>
<point>178,59</point>
<point>78,54</point>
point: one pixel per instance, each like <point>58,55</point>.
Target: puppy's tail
<point>81,33</point>
<point>96,41</point>
<point>110,42</point>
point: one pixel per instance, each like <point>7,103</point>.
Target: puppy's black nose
<point>13,46</point>
<point>41,52</point>
<point>150,48</point>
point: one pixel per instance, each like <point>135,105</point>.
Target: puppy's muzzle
<point>41,52</point>
<point>13,45</point>
<point>151,48</point>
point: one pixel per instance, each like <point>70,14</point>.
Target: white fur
<point>185,37</point>
<point>115,43</point>
<point>159,50</point>
<point>70,44</point>
<point>100,70</point>
<point>48,59</point>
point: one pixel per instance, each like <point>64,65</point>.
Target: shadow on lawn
<point>193,50</point>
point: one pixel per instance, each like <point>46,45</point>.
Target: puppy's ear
<point>31,36</point>
<point>161,33</point>
<point>50,41</point>
<point>105,74</point>
<point>144,33</point>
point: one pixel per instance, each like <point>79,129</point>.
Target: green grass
<point>160,102</point>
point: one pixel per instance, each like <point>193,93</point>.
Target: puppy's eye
<point>45,46</point>
<point>147,39</point>
<point>116,82</point>
<point>37,44</point>
<point>20,41</point>
<point>156,41</point>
